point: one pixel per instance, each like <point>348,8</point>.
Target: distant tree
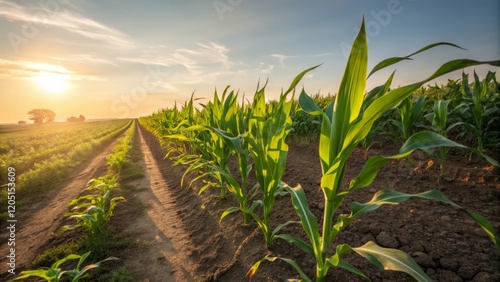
<point>76,119</point>
<point>41,115</point>
<point>21,122</point>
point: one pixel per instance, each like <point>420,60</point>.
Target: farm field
<point>43,155</point>
<point>40,211</point>
<point>446,244</point>
<point>167,225</point>
<point>383,184</point>
<point>190,194</point>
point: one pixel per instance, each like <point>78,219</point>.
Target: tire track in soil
<point>176,240</point>
<point>45,213</point>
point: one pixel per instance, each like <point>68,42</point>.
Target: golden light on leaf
<point>54,83</point>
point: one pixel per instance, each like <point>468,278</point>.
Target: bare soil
<point>178,237</point>
<point>183,241</point>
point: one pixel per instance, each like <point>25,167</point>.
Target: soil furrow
<point>43,215</point>
<point>176,239</point>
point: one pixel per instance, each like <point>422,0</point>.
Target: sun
<point>54,83</point>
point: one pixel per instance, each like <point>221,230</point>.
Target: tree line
<point>48,116</point>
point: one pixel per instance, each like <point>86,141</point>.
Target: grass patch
<point>51,255</point>
<point>105,274</point>
<point>131,171</point>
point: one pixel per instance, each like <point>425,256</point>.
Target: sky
<point>122,58</point>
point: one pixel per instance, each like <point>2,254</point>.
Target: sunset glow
<point>52,83</point>
<point>78,57</point>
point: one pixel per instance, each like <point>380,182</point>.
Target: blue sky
<point>117,58</point>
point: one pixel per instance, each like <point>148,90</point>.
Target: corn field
<point>460,116</point>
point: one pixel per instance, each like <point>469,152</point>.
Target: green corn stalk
<point>411,113</point>
<point>383,126</point>
<point>211,156</point>
<point>56,274</point>
<point>120,153</point>
<point>344,126</point>
<point>234,139</point>
<point>268,129</point>
<point>439,120</point>
<point>478,102</point>
<point>91,212</point>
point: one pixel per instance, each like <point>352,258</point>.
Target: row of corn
<point>91,212</point>
<point>254,134</point>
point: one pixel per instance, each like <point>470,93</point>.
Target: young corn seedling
<point>56,274</point>
<point>439,120</point>
<point>411,113</point>
<point>480,105</point>
<point>344,126</point>
<point>91,212</point>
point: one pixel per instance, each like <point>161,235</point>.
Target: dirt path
<point>176,239</point>
<point>158,257</point>
<point>43,215</point>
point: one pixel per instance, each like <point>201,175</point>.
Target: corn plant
<point>478,102</point>
<point>234,140</point>
<point>56,274</point>
<point>344,126</point>
<point>119,155</point>
<point>268,129</point>
<point>384,126</point>
<point>411,113</point>
<point>439,120</point>
<point>91,212</point>
<point>213,152</point>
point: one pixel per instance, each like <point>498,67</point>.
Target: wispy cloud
<point>265,68</point>
<point>29,70</point>
<point>201,63</point>
<point>282,58</point>
<point>58,16</point>
<point>320,55</point>
<point>191,58</point>
<point>84,58</point>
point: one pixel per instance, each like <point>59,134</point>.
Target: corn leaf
<point>309,222</point>
<point>484,223</point>
<point>336,261</point>
<point>91,266</point>
<point>308,105</point>
<point>370,170</point>
<point>298,78</point>
<point>426,139</point>
<point>390,61</point>
<point>391,259</point>
<point>36,273</point>
<point>297,242</point>
<point>227,212</point>
<point>254,268</point>
<point>423,140</point>
<point>394,197</point>
<point>351,92</point>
